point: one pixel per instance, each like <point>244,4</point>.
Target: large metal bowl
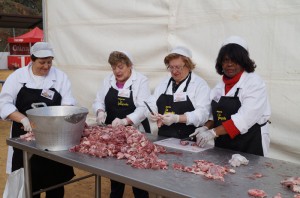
<point>57,127</point>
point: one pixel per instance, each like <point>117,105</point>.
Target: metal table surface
<point>173,183</point>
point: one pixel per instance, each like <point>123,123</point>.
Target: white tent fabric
<point>83,34</point>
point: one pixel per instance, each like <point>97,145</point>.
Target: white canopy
<point>83,34</point>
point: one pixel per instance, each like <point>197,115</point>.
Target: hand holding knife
<point>149,108</point>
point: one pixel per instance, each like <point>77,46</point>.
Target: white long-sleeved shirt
<point>198,92</point>
<point>255,107</point>
<point>15,81</point>
<point>140,92</point>
<point>55,79</point>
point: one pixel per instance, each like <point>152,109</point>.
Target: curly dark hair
<point>236,54</point>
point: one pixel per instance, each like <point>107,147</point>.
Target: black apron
<point>165,103</point>
<point>250,142</point>
<point>120,107</point>
<point>44,172</point>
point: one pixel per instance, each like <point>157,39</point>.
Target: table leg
<point>97,186</point>
<point>27,174</point>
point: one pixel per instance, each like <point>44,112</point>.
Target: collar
<point>128,82</point>
<point>24,75</point>
<point>232,81</point>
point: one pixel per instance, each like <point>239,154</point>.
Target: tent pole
<point>44,20</point>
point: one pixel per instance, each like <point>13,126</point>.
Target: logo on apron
<point>220,116</point>
<point>167,110</point>
<point>121,102</point>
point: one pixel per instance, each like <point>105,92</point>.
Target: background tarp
<point>83,34</point>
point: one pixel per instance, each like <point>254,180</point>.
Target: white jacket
<point>255,107</point>
<point>55,79</point>
<point>140,91</point>
<point>198,92</point>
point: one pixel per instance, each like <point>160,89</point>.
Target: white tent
<point>83,34</point>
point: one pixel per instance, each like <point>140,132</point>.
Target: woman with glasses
<point>120,101</point>
<point>240,107</point>
<point>180,102</point>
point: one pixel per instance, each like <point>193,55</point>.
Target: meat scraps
<point>208,169</point>
<point>122,143</point>
<point>292,183</point>
<point>257,193</point>
<point>255,176</point>
<point>184,142</point>
<point>29,136</point>
<point>278,195</point>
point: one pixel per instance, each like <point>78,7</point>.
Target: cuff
<point>231,128</point>
<point>134,118</point>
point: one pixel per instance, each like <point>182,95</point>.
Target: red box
<point>15,62</point>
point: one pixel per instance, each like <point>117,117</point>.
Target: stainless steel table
<point>173,183</point>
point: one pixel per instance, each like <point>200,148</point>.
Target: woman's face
<point>230,68</point>
<point>41,66</point>
<point>121,71</point>
<point>178,69</point>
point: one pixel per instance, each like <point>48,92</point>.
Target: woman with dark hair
<point>240,107</point>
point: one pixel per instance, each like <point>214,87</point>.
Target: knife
<point>188,138</point>
<point>149,108</point>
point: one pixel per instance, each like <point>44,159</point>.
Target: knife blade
<point>148,108</point>
<point>188,138</point>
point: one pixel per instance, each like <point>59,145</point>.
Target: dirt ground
<point>81,189</point>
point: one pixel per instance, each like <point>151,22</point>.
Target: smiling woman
<point>239,103</point>
<point>24,87</point>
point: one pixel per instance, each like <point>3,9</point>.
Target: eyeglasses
<point>175,68</point>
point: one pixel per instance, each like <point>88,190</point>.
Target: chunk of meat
<point>29,136</point>
<point>206,168</point>
<point>184,142</point>
<point>292,183</point>
<point>257,193</point>
<point>278,195</point>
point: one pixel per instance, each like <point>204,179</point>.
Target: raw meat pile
<point>257,193</point>
<point>208,169</point>
<point>293,183</point>
<point>122,143</point>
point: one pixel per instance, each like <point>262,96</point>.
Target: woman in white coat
<point>37,82</point>
<point>240,106</point>
<point>181,101</point>
<point>119,101</point>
